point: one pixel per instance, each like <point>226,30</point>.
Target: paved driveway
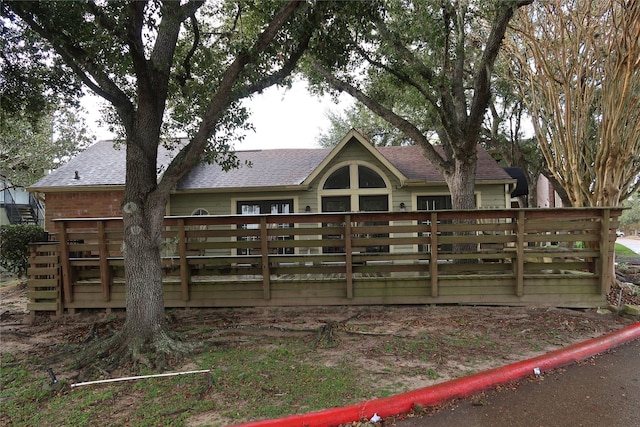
<point>632,243</point>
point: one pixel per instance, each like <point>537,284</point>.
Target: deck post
<point>519,264</point>
<point>603,265</point>
<point>348,248</point>
<point>433,264</point>
<point>105,270</point>
<point>264,247</point>
<point>184,266</point>
<point>64,263</point>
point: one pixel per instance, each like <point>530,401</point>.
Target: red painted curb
<point>457,388</point>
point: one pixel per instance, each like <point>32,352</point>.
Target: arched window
<point>338,180</point>
<point>368,178</point>
<point>355,187</point>
<point>200,211</point>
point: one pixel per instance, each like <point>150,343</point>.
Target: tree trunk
<point>462,182</point>
<point>143,276</point>
<point>462,187</point>
<point>143,215</point>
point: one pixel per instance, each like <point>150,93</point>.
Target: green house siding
<point>225,203</point>
<point>492,196</point>
<point>355,153</point>
<point>400,197</point>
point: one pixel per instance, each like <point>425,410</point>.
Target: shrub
<point>14,246</point>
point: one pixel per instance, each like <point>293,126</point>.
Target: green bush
<point>14,246</point>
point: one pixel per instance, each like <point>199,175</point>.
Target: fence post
<point>264,248</point>
<point>520,253</point>
<point>64,263</point>
<point>433,264</point>
<point>348,247</point>
<point>603,265</point>
<point>184,266</point>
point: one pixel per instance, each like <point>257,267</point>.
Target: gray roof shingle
<point>281,167</point>
<point>103,165</point>
<point>411,161</point>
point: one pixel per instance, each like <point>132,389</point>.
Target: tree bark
<point>461,182</point>
<point>143,215</point>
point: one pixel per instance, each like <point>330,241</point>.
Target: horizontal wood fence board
<point>37,294</point>
<point>43,271</point>
<point>35,283</point>
<point>43,306</point>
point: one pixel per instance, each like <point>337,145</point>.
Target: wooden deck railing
<point>553,257</point>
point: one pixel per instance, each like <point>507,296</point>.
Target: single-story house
<point>353,176</point>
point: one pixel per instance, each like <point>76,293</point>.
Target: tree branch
<point>77,59</point>
<point>408,128</point>
<point>482,82</point>
<point>186,63</point>
<point>189,156</point>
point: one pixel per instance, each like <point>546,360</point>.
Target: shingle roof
<point>282,167</point>
<point>103,165</point>
<point>411,161</point>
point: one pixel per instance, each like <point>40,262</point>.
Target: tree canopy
<point>425,67</point>
<point>29,146</point>
<point>40,121</point>
<point>166,65</point>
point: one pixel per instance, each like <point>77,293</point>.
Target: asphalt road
<point>601,391</point>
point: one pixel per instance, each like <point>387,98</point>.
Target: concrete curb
<point>461,387</point>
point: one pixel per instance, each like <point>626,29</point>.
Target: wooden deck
<point>548,257</point>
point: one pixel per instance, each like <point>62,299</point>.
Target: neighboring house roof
<point>103,165</point>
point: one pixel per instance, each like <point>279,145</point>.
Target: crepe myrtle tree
<point>576,65</point>
<point>167,65</point>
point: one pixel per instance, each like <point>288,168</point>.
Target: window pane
<point>336,204</point>
<point>338,179</point>
<point>434,203</point>
<point>255,207</point>
<point>200,212</point>
<point>374,203</point>
<point>367,178</point>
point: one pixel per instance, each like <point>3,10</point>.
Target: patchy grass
<point>265,363</point>
<point>261,383</point>
<point>624,251</point>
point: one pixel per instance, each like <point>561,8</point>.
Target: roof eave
<point>277,188</point>
<point>70,189</point>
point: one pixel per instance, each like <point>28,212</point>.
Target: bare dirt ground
<point>401,347</point>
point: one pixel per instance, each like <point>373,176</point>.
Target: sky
<point>282,118</point>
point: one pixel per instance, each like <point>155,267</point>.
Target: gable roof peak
<point>355,137</point>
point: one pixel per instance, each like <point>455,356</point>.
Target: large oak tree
<point>425,66</point>
<point>167,65</point>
